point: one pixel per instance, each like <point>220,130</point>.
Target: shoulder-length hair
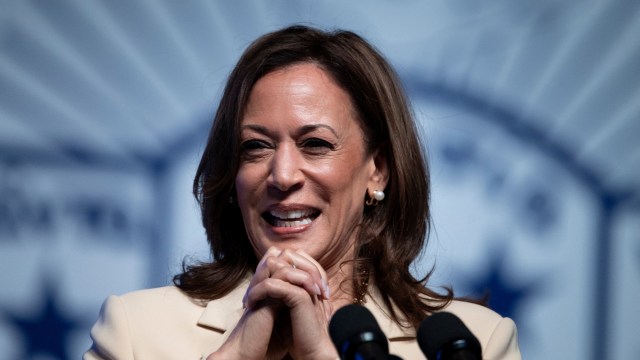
<point>393,233</point>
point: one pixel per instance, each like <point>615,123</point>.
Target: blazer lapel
<point>224,313</point>
<point>391,329</point>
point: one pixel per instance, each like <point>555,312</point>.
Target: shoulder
<point>473,314</point>
<point>150,306</point>
<point>149,323</point>
<point>497,334</point>
<point>162,296</point>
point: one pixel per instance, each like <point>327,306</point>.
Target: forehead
<point>300,80</point>
<point>298,86</point>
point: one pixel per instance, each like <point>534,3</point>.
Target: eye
<point>316,143</point>
<point>250,145</point>
<point>316,146</point>
<point>253,150</point>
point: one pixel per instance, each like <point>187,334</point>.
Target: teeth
<point>294,214</point>
<point>291,218</point>
<point>281,223</point>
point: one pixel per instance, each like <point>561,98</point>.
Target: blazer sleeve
<point>503,342</point>
<point>111,334</point>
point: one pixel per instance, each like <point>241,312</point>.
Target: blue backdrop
<point>530,113</point>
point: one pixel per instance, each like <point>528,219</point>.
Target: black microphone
<point>356,334</point>
<point>443,336</point>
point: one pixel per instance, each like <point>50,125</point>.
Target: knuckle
<point>286,253</point>
<point>272,250</point>
<point>271,262</point>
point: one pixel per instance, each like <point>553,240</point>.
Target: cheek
<point>246,183</point>
<point>347,181</point>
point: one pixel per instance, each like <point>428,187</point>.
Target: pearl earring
<point>378,195</point>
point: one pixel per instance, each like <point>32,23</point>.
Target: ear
<point>379,175</point>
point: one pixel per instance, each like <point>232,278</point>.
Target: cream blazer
<point>164,323</point>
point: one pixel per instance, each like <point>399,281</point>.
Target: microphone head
<point>352,326</point>
<point>443,333</point>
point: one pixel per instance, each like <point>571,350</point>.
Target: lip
<point>289,212</point>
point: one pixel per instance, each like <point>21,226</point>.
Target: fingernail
<point>325,286</point>
<point>317,289</point>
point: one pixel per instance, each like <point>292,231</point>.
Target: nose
<point>286,172</point>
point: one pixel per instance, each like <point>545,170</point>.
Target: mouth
<point>290,218</point>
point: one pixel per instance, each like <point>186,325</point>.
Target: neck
<point>339,266</point>
<point>341,285</point>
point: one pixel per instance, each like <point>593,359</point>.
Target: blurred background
<point>530,111</point>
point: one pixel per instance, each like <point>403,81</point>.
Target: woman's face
<point>304,169</point>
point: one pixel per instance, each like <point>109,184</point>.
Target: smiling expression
<point>304,169</point>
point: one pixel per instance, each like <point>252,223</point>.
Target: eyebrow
<point>257,128</point>
<point>310,128</point>
<point>303,130</point>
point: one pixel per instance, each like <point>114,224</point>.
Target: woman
<point>314,194</point>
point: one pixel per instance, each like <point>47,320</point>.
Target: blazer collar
<point>224,313</point>
<point>391,329</point>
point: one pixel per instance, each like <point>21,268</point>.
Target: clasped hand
<point>286,311</point>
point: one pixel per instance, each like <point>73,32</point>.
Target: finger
<point>328,309</point>
<point>308,264</point>
<point>324,279</point>
<point>281,268</point>
<point>291,295</point>
<point>297,277</point>
<point>262,271</point>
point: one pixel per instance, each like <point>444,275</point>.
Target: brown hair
<point>393,232</point>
